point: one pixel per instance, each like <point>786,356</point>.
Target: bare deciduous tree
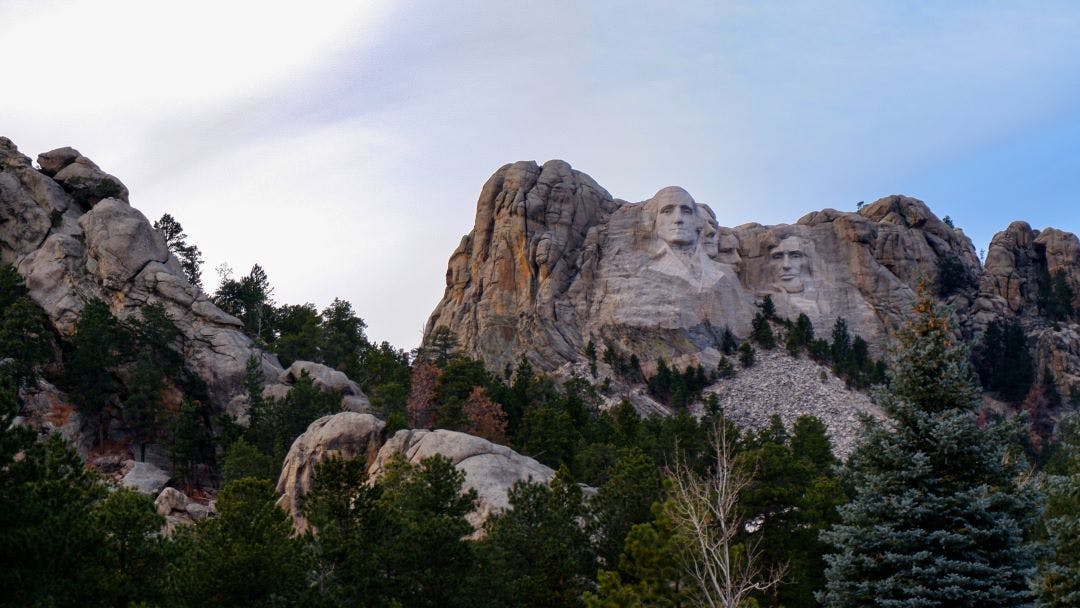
<point>719,555</point>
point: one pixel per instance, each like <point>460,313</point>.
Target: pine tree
<point>761,332</point>
<point>938,515</point>
<point>1058,583</point>
<point>650,570</point>
<point>246,556</point>
<point>624,501</point>
<point>536,554</point>
<point>728,343</point>
<point>746,354</point>
<point>189,255</point>
<point>89,368</point>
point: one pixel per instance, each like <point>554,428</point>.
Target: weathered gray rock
<point>489,468</point>
<point>179,510</point>
<point>344,435</point>
<point>111,253</point>
<point>85,181</point>
<point>53,161</point>
<point>554,262</point>
<point>356,403</point>
<point>120,242</point>
<point>169,500</point>
<point>145,478</point>
<point>325,378</point>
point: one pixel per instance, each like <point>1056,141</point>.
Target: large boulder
<point>489,468</point>
<point>145,478</point>
<point>81,178</point>
<point>345,435</point>
<point>324,377</point>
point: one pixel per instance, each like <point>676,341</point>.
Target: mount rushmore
<point>554,262</point>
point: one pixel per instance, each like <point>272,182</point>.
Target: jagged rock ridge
<point>554,262</point>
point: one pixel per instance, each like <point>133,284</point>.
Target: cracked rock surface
<point>69,231</point>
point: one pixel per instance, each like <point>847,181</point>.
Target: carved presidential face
<point>727,249</point>
<point>676,217</point>
<point>791,264</point>
<point>708,231</point>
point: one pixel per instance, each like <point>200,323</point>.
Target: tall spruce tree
<point>1058,583</point>
<point>938,516</point>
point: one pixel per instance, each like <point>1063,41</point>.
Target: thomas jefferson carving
<point>709,229</point>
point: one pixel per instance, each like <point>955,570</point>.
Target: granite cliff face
<point>68,229</point>
<point>554,262</point>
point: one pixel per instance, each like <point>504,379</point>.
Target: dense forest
<point>941,504</point>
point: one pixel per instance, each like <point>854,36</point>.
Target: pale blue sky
<point>343,145</point>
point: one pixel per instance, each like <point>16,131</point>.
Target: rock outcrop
<point>179,510</point>
<point>489,468</point>
<point>69,231</point>
<point>554,262</point>
<point>144,478</point>
<point>345,435</point>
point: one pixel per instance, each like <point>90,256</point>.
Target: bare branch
<point>725,564</point>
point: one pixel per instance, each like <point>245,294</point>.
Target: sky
<point>342,145</point>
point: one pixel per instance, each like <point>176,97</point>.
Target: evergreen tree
<point>90,366</point>
<point>1003,361</point>
<point>1058,583</point>
<point>440,346</point>
<point>133,549</point>
<point>1056,295</point>
<point>342,334</point>
<point>952,276</point>
<point>299,335</point>
<point>248,299</point>
<point>767,307</point>
<point>728,343</point>
<point>624,501</point>
<point>351,528</point>
<point>143,408</point>
<point>938,517</point>
<point>841,345</point>
<point>243,459</point>
<point>246,556</point>
<point>746,354</point>
<point>189,255</point>
<point>725,369</point>
<point>25,340</point>
<point>537,554</point>
<point>191,443</point>
<point>425,556</point>
<point>792,497</point>
<point>761,332</point>
<point>50,547</point>
<point>650,569</point>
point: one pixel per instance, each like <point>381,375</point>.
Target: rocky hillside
<point>554,262</point>
<point>68,229</point>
